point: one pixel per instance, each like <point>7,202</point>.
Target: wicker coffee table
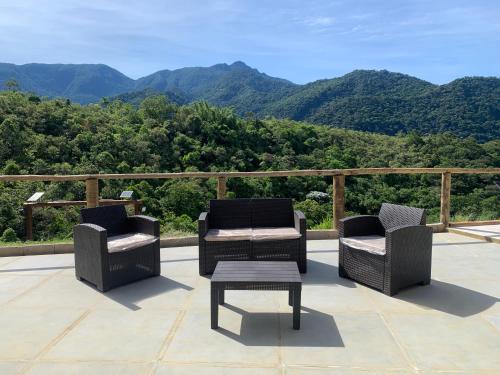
<point>250,275</point>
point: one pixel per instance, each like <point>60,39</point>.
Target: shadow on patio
<point>448,298</point>
<point>260,329</point>
<point>129,295</point>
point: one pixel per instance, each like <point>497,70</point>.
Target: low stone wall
<point>60,248</point>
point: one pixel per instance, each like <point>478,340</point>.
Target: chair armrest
<point>90,238</point>
<point>300,222</point>
<point>202,225</point>
<point>144,224</point>
<point>362,225</point>
<point>408,243</point>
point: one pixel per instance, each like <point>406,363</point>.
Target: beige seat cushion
<point>373,244</point>
<point>236,234</point>
<point>128,241</point>
<point>272,234</point>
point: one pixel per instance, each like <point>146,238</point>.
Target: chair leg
<point>221,296</point>
<point>214,307</point>
<point>389,291</point>
<point>296,307</point>
<point>103,287</point>
<point>157,270</point>
<point>342,272</point>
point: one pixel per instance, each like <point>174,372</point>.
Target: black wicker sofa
<point>389,251</point>
<point>251,229</point>
<point>112,249</point>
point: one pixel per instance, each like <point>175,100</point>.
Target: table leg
<point>290,297</point>
<point>221,296</point>
<point>296,307</point>
<point>214,307</point>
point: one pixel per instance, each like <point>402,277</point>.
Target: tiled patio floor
<point>490,233</point>
<point>52,324</point>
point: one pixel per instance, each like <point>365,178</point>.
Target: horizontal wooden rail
<point>289,173</point>
<point>92,182</point>
<point>28,208</point>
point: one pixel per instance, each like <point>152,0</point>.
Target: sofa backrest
<point>394,215</point>
<point>230,213</point>
<point>272,212</point>
<point>111,218</point>
<point>251,213</point>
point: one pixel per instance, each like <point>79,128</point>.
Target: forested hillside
<point>388,103</point>
<point>367,100</point>
<point>82,83</point>
<point>55,136</point>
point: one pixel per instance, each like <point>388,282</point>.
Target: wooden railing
<point>28,208</point>
<point>338,175</point>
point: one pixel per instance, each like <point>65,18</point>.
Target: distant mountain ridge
<point>82,83</point>
<point>376,101</point>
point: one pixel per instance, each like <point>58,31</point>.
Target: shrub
<point>318,196</point>
<point>314,211</point>
<point>9,235</point>
<point>173,224</point>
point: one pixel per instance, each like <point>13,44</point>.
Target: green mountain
<point>136,97</point>
<point>82,83</point>
<point>384,102</point>
<point>236,85</point>
<point>368,100</point>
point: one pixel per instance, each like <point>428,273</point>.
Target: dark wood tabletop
<point>256,271</point>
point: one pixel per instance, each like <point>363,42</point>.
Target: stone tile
<point>343,328</point>
<point>248,300</point>
<point>467,267</point>
<point>446,342</point>
<point>323,245</point>
<point>342,339</point>
<point>11,368</point>
<point>335,298</point>
<point>87,368</point>
<point>242,338</point>
<point>60,292</point>
<point>164,293</point>
<point>440,296</point>
<point>455,372</point>
<point>398,303</point>
<point>25,332</point>
<point>5,260</point>
<point>167,369</point>
<point>343,371</point>
<point>39,264</point>
<point>12,286</point>
<point>181,252</point>
<point>321,271</point>
<point>184,267</point>
<point>494,320</point>
<point>119,336</point>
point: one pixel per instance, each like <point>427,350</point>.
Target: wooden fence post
<point>137,207</point>
<point>28,222</point>
<point>338,199</point>
<point>92,192</point>
<point>445,199</point>
<point>221,187</point>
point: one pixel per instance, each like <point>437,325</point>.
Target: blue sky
<point>302,41</point>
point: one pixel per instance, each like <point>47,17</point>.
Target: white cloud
<point>316,24</point>
<point>319,21</point>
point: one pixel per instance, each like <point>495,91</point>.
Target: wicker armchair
<point>251,229</point>
<point>388,252</point>
<point>112,249</point>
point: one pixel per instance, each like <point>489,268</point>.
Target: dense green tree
<point>56,137</point>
